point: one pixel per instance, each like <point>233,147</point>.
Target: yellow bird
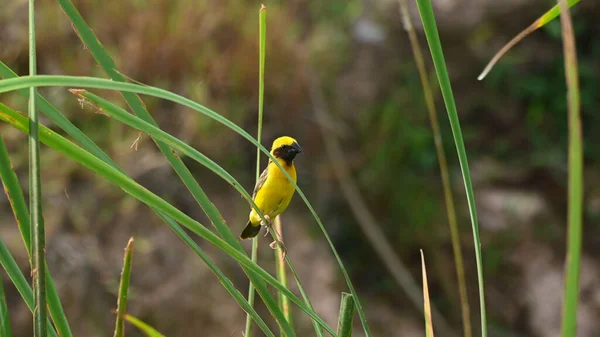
<point>273,191</point>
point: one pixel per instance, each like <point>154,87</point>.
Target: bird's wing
<point>260,182</point>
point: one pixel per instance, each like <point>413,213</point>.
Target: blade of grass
<point>426,302</point>
<point>540,22</point>
<point>284,302</point>
<point>5,328</point>
<point>346,315</point>
<point>439,148</point>
<point>55,116</point>
<point>437,55</point>
<point>262,31</point>
<point>123,291</point>
<point>144,327</point>
<point>18,279</point>
<point>106,62</point>
<point>575,203</point>
<point>38,239</point>
<point>59,143</point>
<point>91,82</point>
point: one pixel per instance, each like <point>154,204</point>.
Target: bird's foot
<point>279,244</point>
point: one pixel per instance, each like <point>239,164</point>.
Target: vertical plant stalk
<point>575,203</point>
<point>38,239</point>
<point>435,47</point>
<point>284,302</point>
<point>123,291</point>
<point>262,26</point>
<point>344,328</point>
<point>439,148</point>
<point>426,301</point>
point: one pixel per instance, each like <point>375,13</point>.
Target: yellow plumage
<point>273,191</point>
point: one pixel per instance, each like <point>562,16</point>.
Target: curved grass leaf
<point>19,207</point>
<point>435,47</point>
<point>68,149</point>
<point>91,82</point>
<point>123,291</point>
<point>145,328</point>
<point>540,22</point>
<point>575,203</point>
<point>55,116</point>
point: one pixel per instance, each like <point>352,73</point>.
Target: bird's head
<point>285,148</point>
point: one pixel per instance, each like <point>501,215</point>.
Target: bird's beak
<point>297,147</point>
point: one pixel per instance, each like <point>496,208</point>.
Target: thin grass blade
<point>144,327</point>
<point>435,47</point>
<point>18,279</point>
<point>575,203</point>
<point>123,291</point>
<point>68,149</point>
<point>426,301</point>
<point>262,31</point>
<point>38,239</point>
<point>443,163</point>
<point>5,327</point>
<point>540,22</point>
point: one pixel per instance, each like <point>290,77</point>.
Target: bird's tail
<point>250,231</point>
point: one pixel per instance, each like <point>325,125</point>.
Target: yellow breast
<point>276,193</point>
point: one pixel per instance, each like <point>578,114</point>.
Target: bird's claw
<point>275,244</point>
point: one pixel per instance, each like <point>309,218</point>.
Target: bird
<point>273,191</point>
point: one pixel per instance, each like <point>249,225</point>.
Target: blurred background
<point>353,60</point>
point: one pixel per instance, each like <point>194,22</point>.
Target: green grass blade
<point>123,291</point>
<point>346,315</point>
<point>38,239</point>
<point>540,22</point>
<point>5,328</point>
<point>106,62</point>
<point>144,327</point>
<point>437,55</point>
<point>68,149</point>
<point>575,203</point>
<point>18,279</point>
<point>91,82</point>
<point>426,301</point>
<point>443,163</point>
<point>262,31</point>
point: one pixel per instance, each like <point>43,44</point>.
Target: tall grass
<point>262,28</point>
<point>38,238</point>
